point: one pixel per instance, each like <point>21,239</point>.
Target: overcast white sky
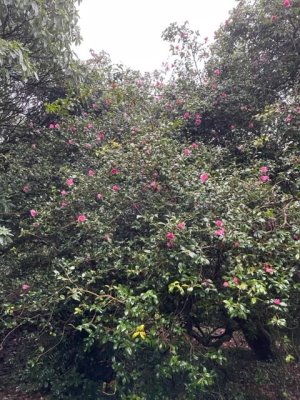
<point>130,30</point>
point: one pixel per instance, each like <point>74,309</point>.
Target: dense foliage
<point>146,218</point>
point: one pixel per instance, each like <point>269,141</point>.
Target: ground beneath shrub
<point>245,378</point>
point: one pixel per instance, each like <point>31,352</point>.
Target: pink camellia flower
<point>274,18</point>
<point>114,171</point>
<point>277,302</point>
<point>217,72</point>
<point>64,193</point>
<point>204,177</point>
<point>250,125</point>
<point>198,121</point>
<point>51,126</point>
<point>100,136</point>
<point>225,284</point>
<point>232,127</point>
<point>194,145</point>
<point>289,119</point>
<point>71,141</point>
<point>219,223</point>
<point>187,152</point>
<point>25,286</point>
<point>220,232</point>
<point>153,185</point>
<point>63,204</point>
<point>186,115</point>
<point>116,188</point>
<point>87,146</point>
<point>181,225</point>
<point>264,178</point>
<point>56,126</point>
<point>26,188</point>
<point>81,218</point>
<point>70,182</point>
<point>264,169</point>
<point>99,196</point>
<point>33,213</point>
<point>287,3</point>
<point>91,172</point>
<point>235,280</point>
<point>268,269</point>
<point>170,236</point>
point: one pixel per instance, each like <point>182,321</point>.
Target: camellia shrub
<point>143,240</point>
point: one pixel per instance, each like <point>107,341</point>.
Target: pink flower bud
<point>287,3</point>
<point>264,169</point>
<point>220,232</point>
<point>81,218</point>
<point>264,178</point>
<point>235,280</point>
<point>181,225</point>
<point>70,182</point>
<point>170,236</point>
<point>33,213</point>
<point>204,177</point>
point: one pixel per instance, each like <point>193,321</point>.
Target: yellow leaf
<point>140,328</point>
<point>143,335</point>
<point>139,332</point>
